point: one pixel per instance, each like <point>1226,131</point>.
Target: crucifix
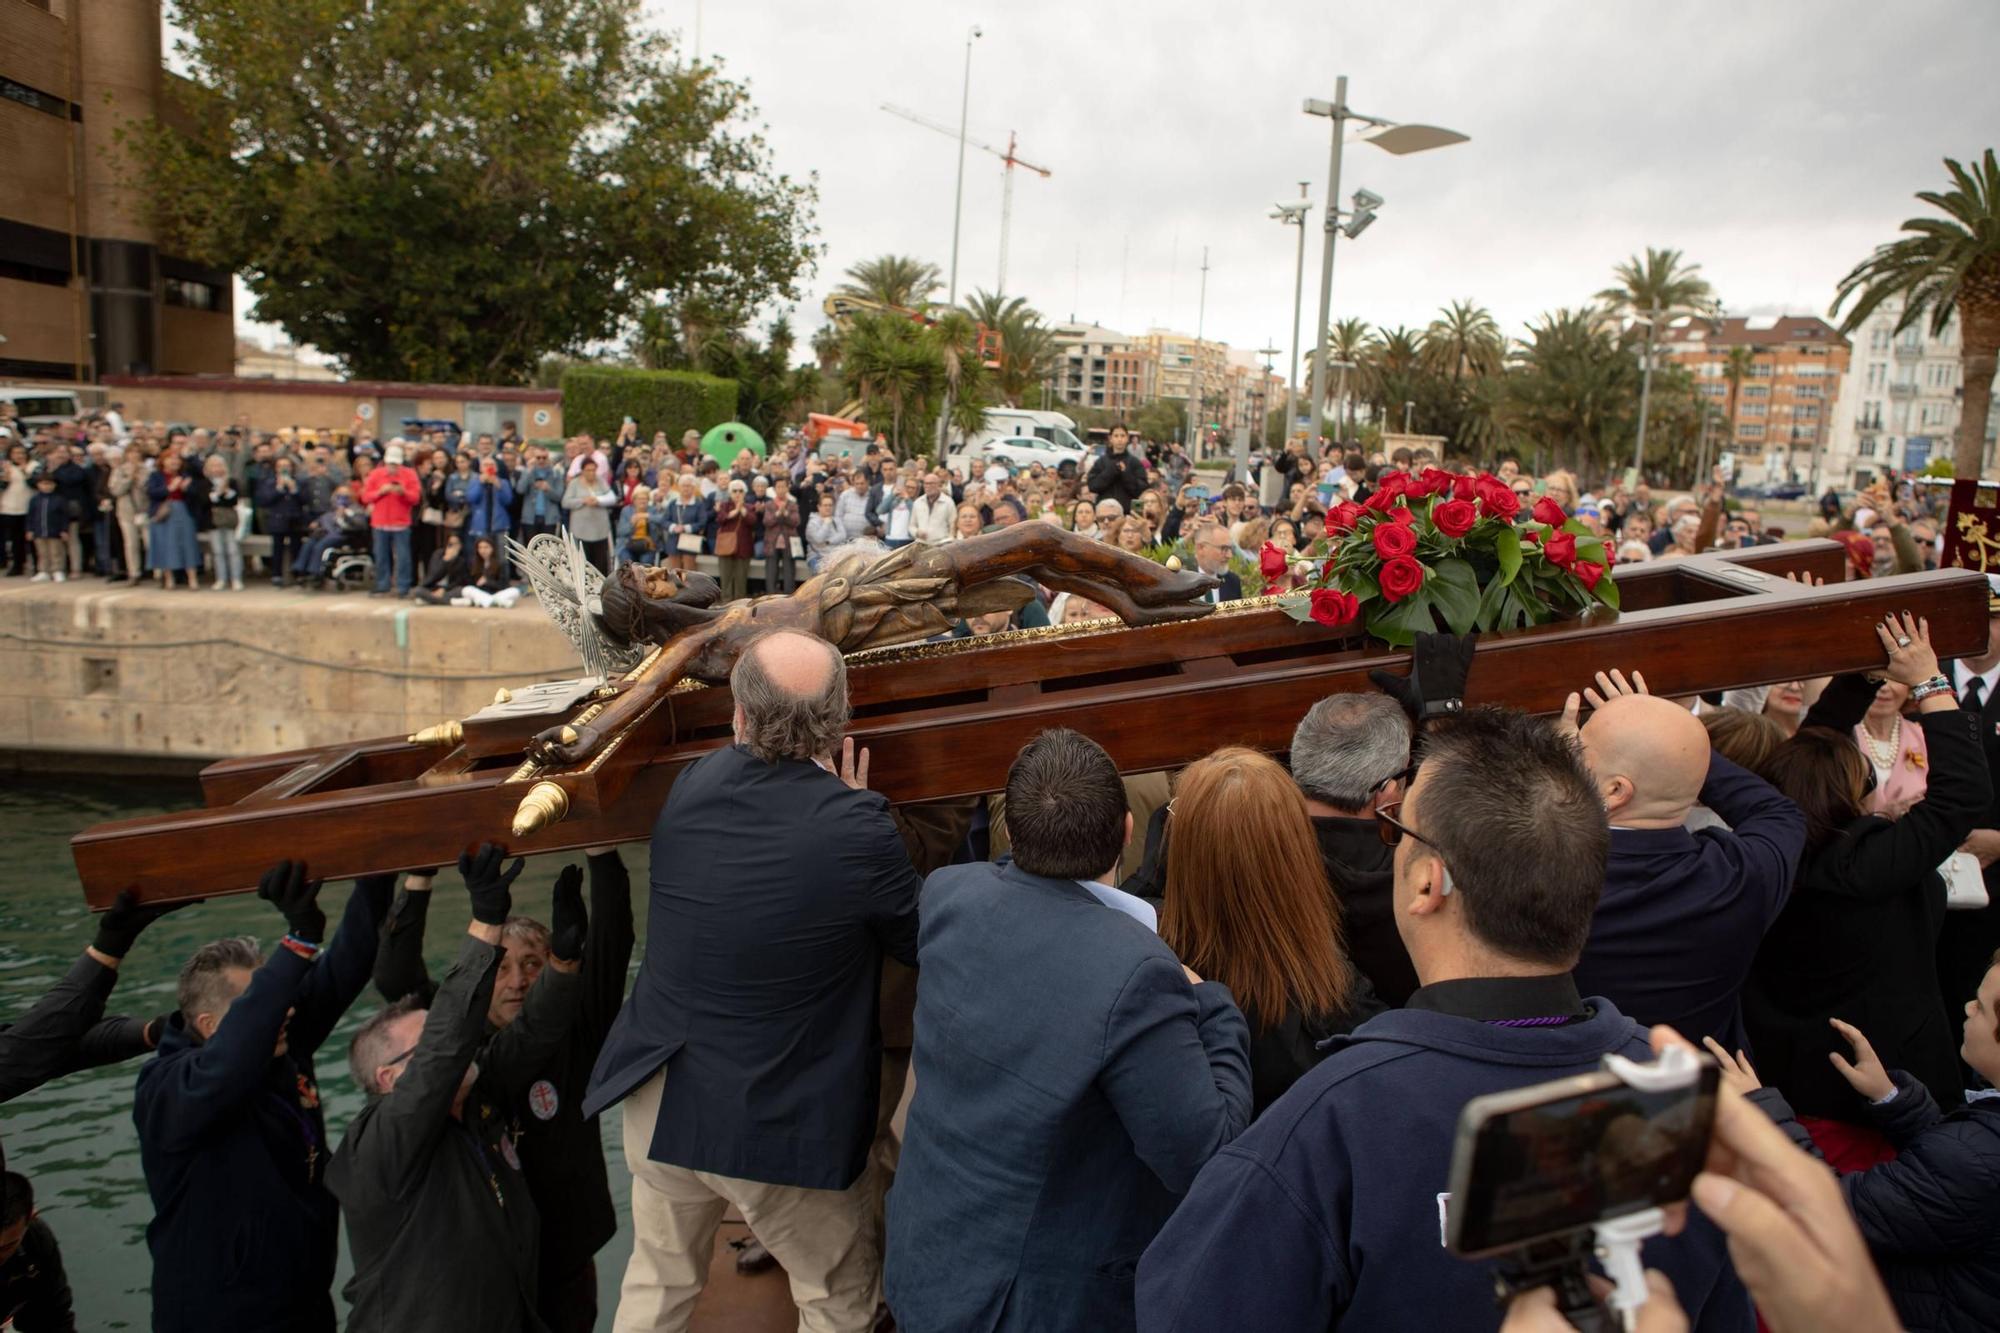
<point>945,717</point>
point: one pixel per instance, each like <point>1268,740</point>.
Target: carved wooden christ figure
<point>859,601</point>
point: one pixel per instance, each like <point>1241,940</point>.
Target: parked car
<point>1014,451</point>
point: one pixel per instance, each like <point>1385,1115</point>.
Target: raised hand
<point>123,920</point>
<point>1435,687</point>
<point>568,923</point>
<point>1907,639</point>
<point>853,768</point>
<point>1614,686</point>
<point>490,881</point>
<point>286,888</point>
<point>1736,1070</point>
<point>1865,1073</point>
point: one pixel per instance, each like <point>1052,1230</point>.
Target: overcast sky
<point>1774,143</point>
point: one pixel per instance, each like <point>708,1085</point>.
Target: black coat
<point>282,512</point>
<point>1120,477</point>
<point>1931,1217</point>
<point>1858,939</point>
<point>1966,948</point>
<point>34,1289</point>
<point>233,1143</point>
<point>412,1176</point>
<point>67,1031</point>
<point>1362,872</point>
<point>763,960</point>
<point>562,1154</point>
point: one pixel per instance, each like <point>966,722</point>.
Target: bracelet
<point>305,949</point>
<point>1923,690</point>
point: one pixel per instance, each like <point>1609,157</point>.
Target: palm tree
<point>1947,264</point>
<point>894,280</point>
<point>826,348</point>
<point>1027,352</point>
<point>1348,341</point>
<point>1736,369</point>
<point>889,367</point>
<point>1463,338</point>
<point>1659,285</point>
<point>1572,387</point>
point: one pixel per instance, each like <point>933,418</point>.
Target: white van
<point>1006,423</point>
<point>35,407</point>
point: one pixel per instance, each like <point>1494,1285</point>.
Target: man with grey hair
<point>231,1135</point>
<point>746,1054</point>
<point>1351,757</point>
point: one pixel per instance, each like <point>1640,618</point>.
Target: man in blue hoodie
<point>231,1135</point>
<point>1325,1212</point>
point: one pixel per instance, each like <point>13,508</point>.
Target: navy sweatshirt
<point>1683,913</point>
<point>1325,1212</point>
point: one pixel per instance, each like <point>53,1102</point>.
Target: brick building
<point>85,289</point>
<point>1798,364</point>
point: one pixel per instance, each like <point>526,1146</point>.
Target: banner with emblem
<point>1972,531</point>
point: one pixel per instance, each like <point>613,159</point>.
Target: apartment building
<point>1903,400</point>
<point>85,288</point>
<point>1179,359</point>
<point>1101,368</point>
<point>1785,413</point>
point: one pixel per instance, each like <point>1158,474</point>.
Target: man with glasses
<point>1500,847</point>
<point>1212,549</point>
<point>439,1216</point>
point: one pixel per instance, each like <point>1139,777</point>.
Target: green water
<point>74,1137</point>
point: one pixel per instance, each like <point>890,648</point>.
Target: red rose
<point>1560,548</point>
<point>1436,481</point>
<point>1454,518</point>
<point>1400,578</point>
<point>1549,512</point>
<point>1380,501</point>
<point>1271,561</point>
<point>1330,606</point>
<point>1531,534</point>
<point>1589,572</point>
<point>1344,516</point>
<point>1497,498</point>
<point>1394,540</point>
<point>1465,487</point>
<point>1400,514</point>
<point>1393,484</point>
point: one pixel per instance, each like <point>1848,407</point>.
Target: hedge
<point>599,398</point>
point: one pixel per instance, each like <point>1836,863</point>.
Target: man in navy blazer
<point>1072,1076</point>
<point>1682,913</point>
<point>748,1054</point>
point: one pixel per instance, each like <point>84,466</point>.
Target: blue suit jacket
<point>776,891</point>
<point>1683,913</point>
<point>1070,1083</point>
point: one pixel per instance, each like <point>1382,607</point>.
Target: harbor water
<point>74,1138</point>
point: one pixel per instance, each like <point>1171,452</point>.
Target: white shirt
<point>1120,901</point>
<point>899,521</point>
<point>1962,675</point>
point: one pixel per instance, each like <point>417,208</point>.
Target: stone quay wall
<point>93,668</point>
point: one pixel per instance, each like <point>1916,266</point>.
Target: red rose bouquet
<point>1451,550</point>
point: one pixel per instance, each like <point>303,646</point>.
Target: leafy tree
<point>894,280</point>
<point>1657,281</point>
<point>1946,264</point>
<point>1160,420</point>
<point>450,190</point>
<point>890,366</point>
<point>1736,369</point>
<point>1463,340</point>
<point>1572,388</point>
<point>1027,354</point>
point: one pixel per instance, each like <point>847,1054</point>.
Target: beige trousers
<point>829,1241</point>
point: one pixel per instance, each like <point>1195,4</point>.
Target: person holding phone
<point>1500,848</point>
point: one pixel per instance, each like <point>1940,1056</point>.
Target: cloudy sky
<point>1774,143</point>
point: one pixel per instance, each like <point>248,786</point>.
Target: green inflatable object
<point>724,442</point>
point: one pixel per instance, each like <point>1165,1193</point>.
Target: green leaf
<point>1296,605</point>
<point>1398,622</point>
<point>1454,590</point>
<point>1607,591</point>
<point>1507,550</point>
<point>1491,602</point>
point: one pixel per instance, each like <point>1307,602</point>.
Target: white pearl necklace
<point>1884,752</point>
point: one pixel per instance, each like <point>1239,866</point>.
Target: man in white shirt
<point>934,516</point>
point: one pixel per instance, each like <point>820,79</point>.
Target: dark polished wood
<point>950,725</point>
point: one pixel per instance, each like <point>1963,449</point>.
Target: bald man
<point>1682,913</point>
<point>746,1056</point>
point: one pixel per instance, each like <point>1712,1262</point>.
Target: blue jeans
<point>394,541</point>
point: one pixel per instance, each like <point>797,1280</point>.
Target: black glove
<point>568,921</point>
<point>123,920</point>
<point>490,882</point>
<point>286,888</point>
<point>156,1028</point>
<point>379,890</point>
<point>1435,686</point>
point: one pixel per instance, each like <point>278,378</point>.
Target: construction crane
<point>1007,157</point>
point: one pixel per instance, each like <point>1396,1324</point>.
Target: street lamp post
<point>1294,215</point>
<point>1645,395</point>
<point>1386,135</point>
<point>972,35</point>
<point>1408,407</point>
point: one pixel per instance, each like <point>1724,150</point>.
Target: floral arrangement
<point>1444,548</point>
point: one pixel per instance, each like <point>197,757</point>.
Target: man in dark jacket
<point>562,1153</point>
<point>34,1289</point>
<point>1325,1212</point>
<point>440,1218</point>
<point>749,1048</point>
<point>1072,1076</point>
<point>1120,474</point>
<point>66,1030</point>
<point>1965,949</point>
<point>231,1134</point>
<point>1682,913</point>
<point>1351,756</point>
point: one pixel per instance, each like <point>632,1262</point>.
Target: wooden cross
<point>945,720</point>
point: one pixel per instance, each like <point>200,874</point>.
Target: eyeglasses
<point>390,1064</point>
<point>1393,830</point>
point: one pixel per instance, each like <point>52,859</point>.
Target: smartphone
<point>1555,1158</point>
<point>1198,492</point>
<point>1541,487</point>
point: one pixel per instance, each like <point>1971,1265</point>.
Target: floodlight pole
<point>1298,302</point>
<point>1339,116</point>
